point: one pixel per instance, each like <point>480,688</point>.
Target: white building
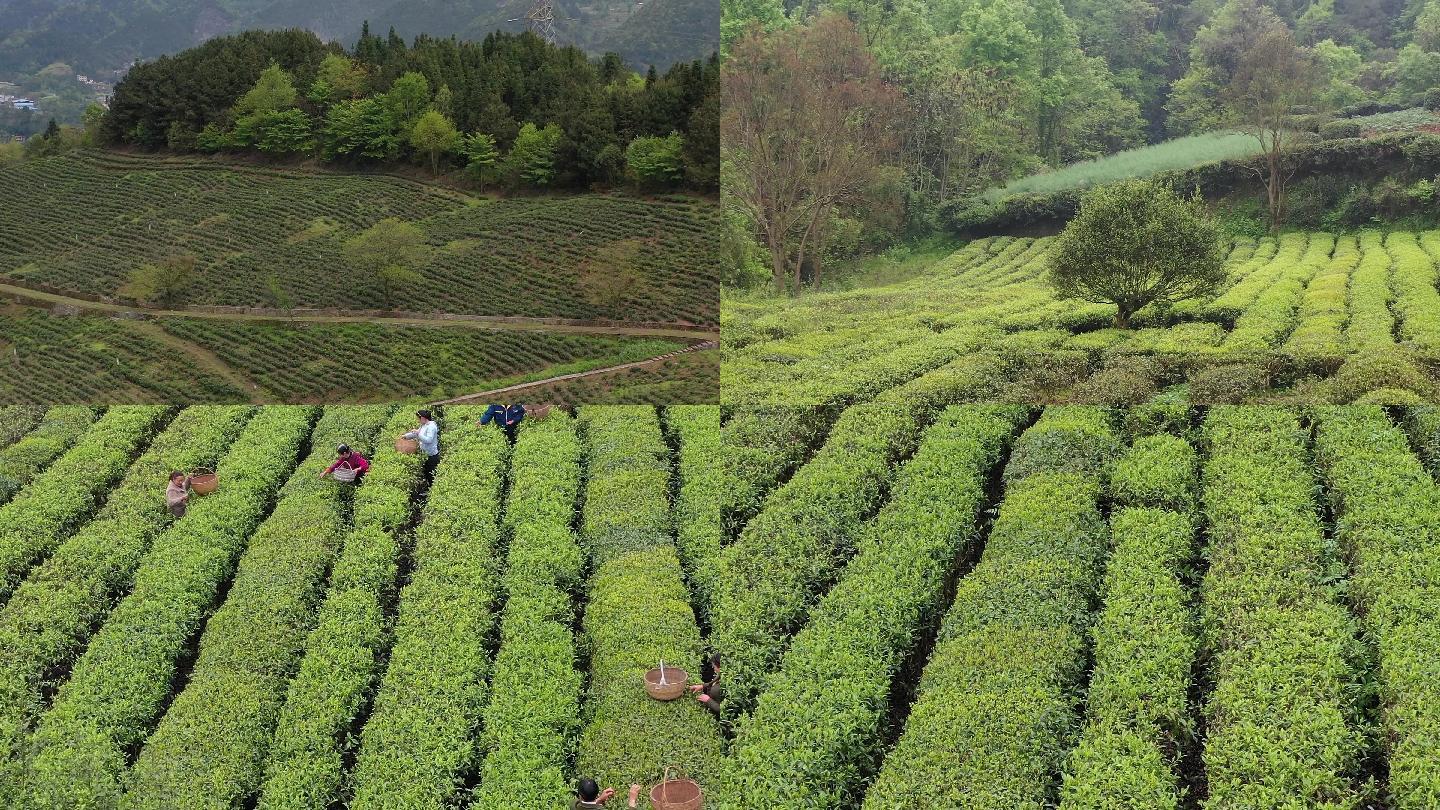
<point>23,104</point>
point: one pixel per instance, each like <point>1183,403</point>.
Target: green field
<point>979,606</point>
<point>45,359</point>
<point>1304,317</point>
<point>1180,153</point>
<point>299,643</point>
<point>273,237</point>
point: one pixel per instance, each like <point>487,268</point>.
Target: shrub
<point>1227,384</point>
<point>1116,387</point>
<point>1393,368</point>
<point>1134,244</point>
<point>1067,439</point>
<point>696,431</point>
<point>1158,472</point>
<point>1335,130</point>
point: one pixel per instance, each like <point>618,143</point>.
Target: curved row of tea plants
<point>817,724</point>
<point>79,753</point>
<point>995,714</point>
<point>419,742</point>
<point>35,449</point>
<point>1388,525</point>
<point>54,610</point>
<point>695,431</point>
<point>267,238</point>
<point>209,747</point>
<point>68,492</point>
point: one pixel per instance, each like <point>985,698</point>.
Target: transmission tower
<point>541,19</point>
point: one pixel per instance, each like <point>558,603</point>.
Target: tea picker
<point>349,466</point>
<point>177,492</point>
<point>507,417</point>
<point>426,438</point>
<point>589,796</point>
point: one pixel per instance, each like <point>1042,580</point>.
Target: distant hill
<point>96,36</point>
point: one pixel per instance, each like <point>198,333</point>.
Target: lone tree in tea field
<point>1137,243</point>
<point>391,251</point>
<point>161,282</point>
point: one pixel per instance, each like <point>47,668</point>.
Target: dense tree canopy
<point>287,92</point>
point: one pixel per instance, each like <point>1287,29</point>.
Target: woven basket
<point>673,687</point>
<point>676,794</point>
<point>204,481</point>
<point>345,475</point>
<point>406,446</point>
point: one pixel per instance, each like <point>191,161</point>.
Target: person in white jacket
<point>428,435</point>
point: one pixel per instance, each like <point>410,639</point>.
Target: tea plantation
<point>984,606</point>
<point>264,236</point>
<point>1303,318</point>
<point>46,359</point>
<point>294,642</point>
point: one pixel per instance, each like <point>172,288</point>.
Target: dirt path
<point>694,333</point>
<point>709,344</point>
<point>204,358</point>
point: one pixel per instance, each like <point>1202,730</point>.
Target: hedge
<point>1317,343</point>
<point>638,612</point>
<point>533,715</point>
<point>32,453</point>
<point>1281,719</point>
<point>1145,638</point>
<point>68,492</point>
<point>53,611</point>
<point>1157,471</point>
<point>1422,426</point>
<point>120,683</point>
<point>762,446</point>
<point>1371,322</point>
<point>419,742</point>
<point>764,579</point>
<point>323,702</point>
<point>1417,302</point>
<point>16,421</point>
<point>695,430</point>
<point>817,728</point>
<point>1388,525</point>
<point>1270,317</point>
<point>1256,276</point>
<point>208,749</point>
<point>995,713</point>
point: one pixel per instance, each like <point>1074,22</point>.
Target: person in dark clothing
<point>508,418</point>
<point>589,796</point>
<point>711,694</point>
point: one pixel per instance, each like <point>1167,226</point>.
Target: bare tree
<point>1272,77</point>
<point>806,130</point>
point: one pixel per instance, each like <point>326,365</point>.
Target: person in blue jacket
<point>508,418</point>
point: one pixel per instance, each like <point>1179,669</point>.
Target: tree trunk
<point>1122,318</point>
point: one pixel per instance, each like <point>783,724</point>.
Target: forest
<point>945,100</point>
<point>511,109</point>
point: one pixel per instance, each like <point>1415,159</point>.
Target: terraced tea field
<point>271,237</point>
<point>982,606</point>
<point>1305,317</point>
<point>293,642</point>
<point>46,359</point>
